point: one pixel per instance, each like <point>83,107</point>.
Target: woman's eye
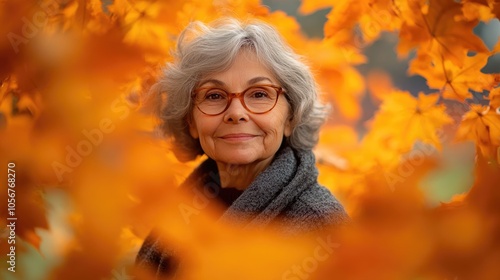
<point>259,94</point>
<point>214,96</point>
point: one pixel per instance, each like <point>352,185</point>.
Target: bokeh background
<point>410,149</point>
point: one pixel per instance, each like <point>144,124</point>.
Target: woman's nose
<point>236,112</point>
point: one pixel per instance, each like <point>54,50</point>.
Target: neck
<point>240,176</point>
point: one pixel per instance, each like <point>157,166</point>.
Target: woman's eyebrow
<point>222,84</point>
<point>258,79</point>
<point>213,81</point>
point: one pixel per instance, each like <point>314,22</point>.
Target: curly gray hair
<point>203,49</point>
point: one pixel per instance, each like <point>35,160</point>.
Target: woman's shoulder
<point>318,207</point>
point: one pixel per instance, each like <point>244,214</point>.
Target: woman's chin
<point>236,157</point>
<point>236,160</point>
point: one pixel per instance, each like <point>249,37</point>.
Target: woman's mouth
<point>238,137</point>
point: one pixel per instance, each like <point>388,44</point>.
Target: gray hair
<point>203,49</point>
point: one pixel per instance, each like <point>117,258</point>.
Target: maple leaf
<point>310,6</point>
<point>339,81</point>
<point>452,80</point>
<point>241,8</point>
<point>345,88</point>
<point>140,21</point>
<point>337,23</point>
<point>439,27</point>
<point>379,84</point>
<point>62,16</point>
<point>372,17</point>
<point>485,192</point>
<point>123,39</point>
<point>406,119</point>
<point>289,28</point>
<point>380,15</point>
<point>332,141</point>
<point>99,22</point>
<point>496,9</point>
<point>330,54</point>
<point>29,207</point>
<point>477,9</point>
<point>492,5</point>
<point>496,48</point>
<point>481,125</point>
<point>494,98</point>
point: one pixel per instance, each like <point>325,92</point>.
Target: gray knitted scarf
<point>288,186</point>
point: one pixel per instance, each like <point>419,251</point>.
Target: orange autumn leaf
<point>436,27</point>
<point>379,16</point>
<point>339,136</point>
<point>336,24</point>
<point>206,11</point>
<point>140,20</point>
<point>28,207</point>
<point>379,84</point>
<point>496,8</point>
<point>407,119</point>
<point>344,89</point>
<point>327,53</point>
<point>311,6</point>
<point>454,81</point>
<point>242,8</point>
<point>69,16</point>
<point>493,6</point>
<point>494,98</point>
<point>372,18</point>
<point>481,125</point>
<point>477,9</point>
<point>496,48</point>
<point>289,28</point>
<point>333,142</point>
<point>339,81</point>
<point>125,185</point>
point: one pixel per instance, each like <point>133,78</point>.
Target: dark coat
<point>286,193</point>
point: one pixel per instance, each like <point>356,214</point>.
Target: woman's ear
<point>193,130</point>
<point>288,127</point>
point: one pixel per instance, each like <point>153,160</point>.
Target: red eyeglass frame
<point>240,95</point>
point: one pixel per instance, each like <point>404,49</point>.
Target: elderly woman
<point>239,94</point>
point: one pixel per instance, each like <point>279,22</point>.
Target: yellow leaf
<point>372,18</point>
<point>311,6</point>
<point>379,84</point>
<point>494,98</point>
<point>407,119</point>
<point>141,21</point>
<point>474,11</point>
<point>481,125</point>
<point>452,80</point>
<point>345,87</point>
<point>436,27</point>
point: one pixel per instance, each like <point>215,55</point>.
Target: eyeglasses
<point>258,99</point>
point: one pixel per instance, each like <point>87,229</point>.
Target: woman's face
<point>238,136</point>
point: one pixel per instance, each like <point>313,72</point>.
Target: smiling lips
<point>238,137</point>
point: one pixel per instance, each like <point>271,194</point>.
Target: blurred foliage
<point>73,76</point>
